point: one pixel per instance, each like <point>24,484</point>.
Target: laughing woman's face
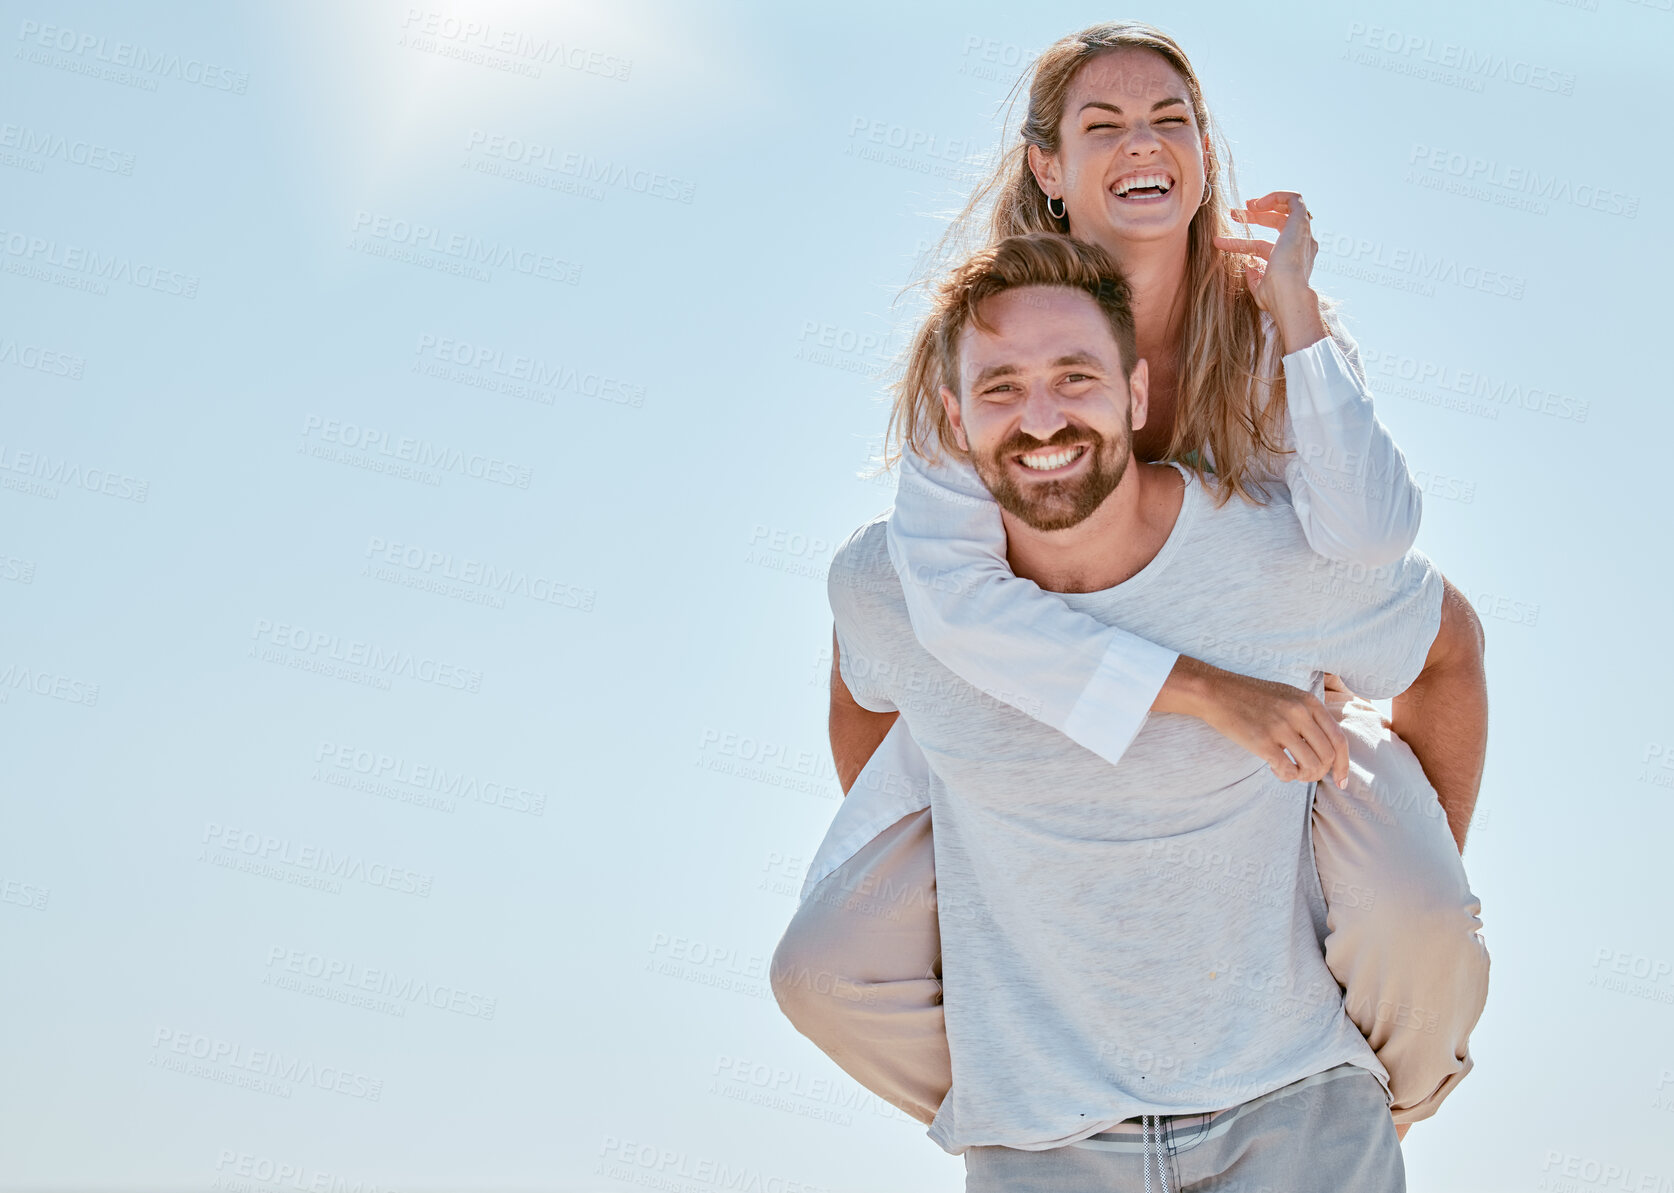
<point>1130,165</point>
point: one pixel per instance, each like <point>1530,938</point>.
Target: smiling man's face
<point>1046,407</point>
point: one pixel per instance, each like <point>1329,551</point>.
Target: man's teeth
<point>1140,181</point>
<point>1055,460</point>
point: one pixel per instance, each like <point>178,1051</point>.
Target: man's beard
<point>1057,504</point>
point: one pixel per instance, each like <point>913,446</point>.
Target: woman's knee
<point>1389,865</point>
<point>1424,926</point>
<point>810,970</point>
<point>1418,920</point>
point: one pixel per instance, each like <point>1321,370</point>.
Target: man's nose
<point>1043,414</point>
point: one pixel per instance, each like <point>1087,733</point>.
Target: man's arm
<point>856,732</point>
<point>1443,715</point>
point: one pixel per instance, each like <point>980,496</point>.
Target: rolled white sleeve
<point>1348,481</point>
<point>1006,635</point>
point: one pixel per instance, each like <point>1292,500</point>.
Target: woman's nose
<point>1141,138</point>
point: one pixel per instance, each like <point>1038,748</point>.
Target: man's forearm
<point>854,740</point>
<point>856,732</point>
<point>1443,716</point>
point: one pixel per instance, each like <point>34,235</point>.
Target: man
<point>1143,940</point>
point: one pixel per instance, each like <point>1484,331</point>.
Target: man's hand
<point>856,732</point>
<point>1263,717</point>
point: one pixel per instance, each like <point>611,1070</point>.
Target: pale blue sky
<point>258,262</point>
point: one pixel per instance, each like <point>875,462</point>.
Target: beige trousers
<point>858,971</point>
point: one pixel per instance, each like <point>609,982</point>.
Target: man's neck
<point>1112,545</point>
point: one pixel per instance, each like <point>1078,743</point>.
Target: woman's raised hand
<point>1279,276</point>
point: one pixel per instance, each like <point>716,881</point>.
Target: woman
<point>1118,149</point>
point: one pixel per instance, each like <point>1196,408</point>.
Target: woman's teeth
<point>1145,182</point>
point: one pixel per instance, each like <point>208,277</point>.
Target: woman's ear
<point>1045,169</point>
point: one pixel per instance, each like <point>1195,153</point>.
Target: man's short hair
<point>1031,259</point>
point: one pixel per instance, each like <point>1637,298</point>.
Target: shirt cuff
<point>1318,379</point>
<point>1112,708</point>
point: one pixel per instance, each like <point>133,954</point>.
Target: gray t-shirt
<point>1143,938</point>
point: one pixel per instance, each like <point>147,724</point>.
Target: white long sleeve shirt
<point>1093,682</point>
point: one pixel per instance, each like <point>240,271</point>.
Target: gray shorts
<point>1329,1133</point>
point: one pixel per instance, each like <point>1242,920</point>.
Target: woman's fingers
<point>1279,201</point>
<point>1318,747</point>
<point>1290,258</point>
<point>1337,742</point>
<point>1310,764</point>
<point>1275,210</point>
<point>1267,219</point>
<point>1319,742</point>
<point>1239,244</point>
<point>1283,767</point>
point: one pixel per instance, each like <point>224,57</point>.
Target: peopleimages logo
<point>582,167</point>
<point>229,842</point>
<point>75,151</point>
<point>127,54</point>
<point>543,375</point>
<point>231,1062</point>
<point>60,470</point>
<point>468,250</point>
<point>1528,181</point>
<point>52,362</point>
<point>276,638</point>
<point>265,1170</point>
<point>1340,252</point>
<point>1657,766</point>
<point>478,38</point>
<point>502,581</point>
<point>660,1167</point>
<point>1472,65</point>
<point>824,1098</point>
<point>1564,1169</point>
<point>349,976</point>
<point>24,894</point>
<point>40,252</point>
<point>20,677</point>
<point>406,449</point>
<point>913,140</point>
<point>1492,391</point>
<point>377,766</point>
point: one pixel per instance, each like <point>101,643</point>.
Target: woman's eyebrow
<point>1099,103</point>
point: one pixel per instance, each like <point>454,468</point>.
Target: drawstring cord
<point>1146,1123</point>
<point>1145,1146</point>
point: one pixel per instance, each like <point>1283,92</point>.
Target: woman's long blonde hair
<point>1221,402</point>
